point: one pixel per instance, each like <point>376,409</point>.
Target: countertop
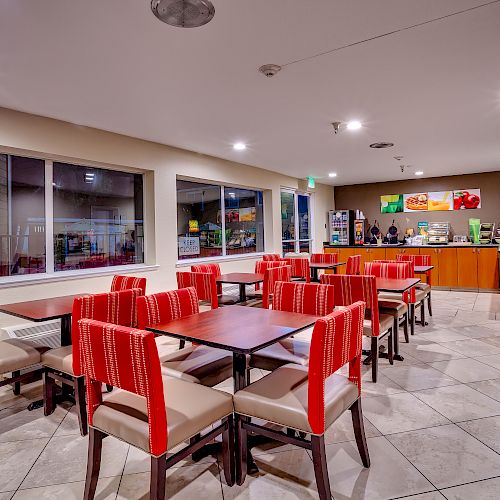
<point>401,245</point>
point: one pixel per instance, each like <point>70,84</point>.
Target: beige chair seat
<point>424,286</point>
<point>386,321</point>
<point>17,354</point>
<point>205,306</point>
<point>281,397</point>
<point>60,359</point>
<point>281,353</point>
<point>199,364</point>
<point>419,296</point>
<point>190,408</point>
<point>392,307</point>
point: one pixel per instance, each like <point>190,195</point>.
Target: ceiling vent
<point>183,13</point>
<point>382,145</point>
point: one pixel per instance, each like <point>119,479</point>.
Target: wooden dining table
<point>241,279</point>
<point>316,266</point>
<point>423,269</point>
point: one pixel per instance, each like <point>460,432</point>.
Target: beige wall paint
<point>26,134</point>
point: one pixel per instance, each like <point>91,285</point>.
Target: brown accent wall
<point>366,197</point>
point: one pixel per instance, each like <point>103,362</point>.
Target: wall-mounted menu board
<point>431,201</point>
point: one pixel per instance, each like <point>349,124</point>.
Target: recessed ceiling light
<point>239,146</point>
<point>419,172</point>
<point>332,174</point>
<point>354,125</point>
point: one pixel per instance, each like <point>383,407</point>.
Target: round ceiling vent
<point>183,13</point>
<point>381,145</point>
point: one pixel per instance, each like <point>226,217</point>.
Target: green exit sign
<point>311,183</point>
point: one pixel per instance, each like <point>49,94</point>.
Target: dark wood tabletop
<point>423,269</point>
<point>42,309</point>
<point>241,278</point>
<point>236,328</point>
<point>396,285</point>
<point>321,265</point>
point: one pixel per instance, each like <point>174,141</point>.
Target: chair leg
<point>374,352</point>
<point>182,344</point>
<point>228,451</point>
<point>321,467</point>
<point>16,386</point>
<point>81,407</point>
<point>422,312</point>
<point>405,328</point>
<point>49,394</point>
<point>359,432</point>
<point>93,463</point>
<point>429,304</point>
<point>241,451</point>
<point>158,478</point>
<point>390,344</point>
<point>412,319</point>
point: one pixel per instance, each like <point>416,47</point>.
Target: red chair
<point>204,283</point>
<point>300,268</point>
<point>324,258</point>
<point>271,256</point>
<point>271,276</point>
<point>199,364</point>
<point>303,298</point>
<point>212,268</point>
<point>309,399</point>
<point>262,265</point>
<point>353,265</point>
<point>128,282</point>
<point>65,364</point>
<point>421,260</point>
<point>150,412</point>
<point>349,289</point>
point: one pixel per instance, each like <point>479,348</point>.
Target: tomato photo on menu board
<point>466,199</point>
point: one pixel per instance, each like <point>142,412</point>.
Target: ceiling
<point>433,90</point>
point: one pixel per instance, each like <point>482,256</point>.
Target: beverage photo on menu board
<point>416,202</point>
<point>440,200</point>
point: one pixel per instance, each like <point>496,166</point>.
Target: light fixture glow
<point>239,146</point>
<point>354,125</point>
<point>332,174</point>
<point>419,172</point>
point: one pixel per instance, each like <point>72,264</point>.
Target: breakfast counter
<point>456,266</point>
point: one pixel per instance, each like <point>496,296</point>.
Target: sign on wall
<point>189,245</point>
<point>467,199</point>
<point>391,203</point>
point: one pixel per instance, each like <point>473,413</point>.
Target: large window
<point>295,222</point>
<point>98,218</point>
<point>22,215</point>
<point>202,229</point>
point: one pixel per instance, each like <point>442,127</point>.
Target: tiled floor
<point>432,421</point>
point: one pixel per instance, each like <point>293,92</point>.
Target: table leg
<point>314,272</point>
<point>65,330</point>
<point>243,292</point>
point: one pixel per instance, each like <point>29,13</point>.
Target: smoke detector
<point>270,70</point>
<point>183,13</point>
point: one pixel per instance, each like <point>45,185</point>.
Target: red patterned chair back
<point>324,258</point>
<point>166,306</point>
<point>127,359</point>
<point>204,283</point>
<point>271,256</point>
<point>418,260</point>
<point>271,276</point>
<point>300,267</point>
<point>262,265</point>
<point>207,268</point>
<point>118,308</point>
<point>393,270</point>
<point>336,341</point>
<point>353,265</point>
<point>304,298</point>
<point>349,289</point>
<point>128,282</point>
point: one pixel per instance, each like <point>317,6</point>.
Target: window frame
<point>296,221</point>
<point>224,256</point>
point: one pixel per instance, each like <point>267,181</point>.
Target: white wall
<point>26,134</point>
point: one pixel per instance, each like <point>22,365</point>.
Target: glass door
<point>295,222</point>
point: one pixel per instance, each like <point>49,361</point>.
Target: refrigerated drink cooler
<point>341,228</point>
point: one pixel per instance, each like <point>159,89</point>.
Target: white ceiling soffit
<point>433,90</point>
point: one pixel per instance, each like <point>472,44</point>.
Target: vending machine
<point>341,223</point>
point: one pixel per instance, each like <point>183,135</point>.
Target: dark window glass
<point>199,224</point>
<point>22,215</point>
<point>287,216</point>
<point>303,209</point>
<point>244,221</point>
<point>98,217</point>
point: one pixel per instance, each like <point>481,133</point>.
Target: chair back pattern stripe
<point>128,282</point>
<point>394,270</point>
<point>271,276</point>
<point>324,258</point>
<point>336,340</point>
<point>418,260</point>
<point>128,359</point>
<point>300,267</point>
<point>204,283</point>
<point>212,268</point>
<point>262,265</point>
<point>166,306</point>
<point>353,264</point>
<point>303,298</point>
<point>119,308</point>
<point>271,256</point>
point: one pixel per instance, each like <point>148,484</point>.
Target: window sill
<point>221,258</point>
<point>31,279</point>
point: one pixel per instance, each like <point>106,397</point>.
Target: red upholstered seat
<point>324,258</point>
<point>148,411</point>
<point>300,268</point>
<point>271,256</point>
<point>128,282</point>
<point>271,276</point>
<point>353,266</point>
<point>204,283</point>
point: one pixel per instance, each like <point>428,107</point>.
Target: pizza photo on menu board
<point>416,202</point>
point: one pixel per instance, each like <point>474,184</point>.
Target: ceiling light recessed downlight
<point>183,13</point>
<point>419,172</point>
<point>239,146</point>
<point>332,174</point>
<point>354,125</point>
<point>382,145</point>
